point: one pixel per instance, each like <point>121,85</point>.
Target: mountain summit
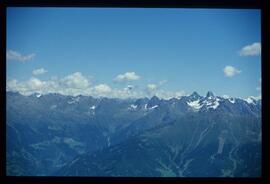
<point>210,94</point>
<point>194,95</point>
<point>154,101</point>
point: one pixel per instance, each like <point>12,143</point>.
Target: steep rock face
<point>64,135</point>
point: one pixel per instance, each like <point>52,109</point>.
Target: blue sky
<point>150,51</point>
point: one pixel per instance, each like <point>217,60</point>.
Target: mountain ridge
<point>49,132</point>
<point>193,94</point>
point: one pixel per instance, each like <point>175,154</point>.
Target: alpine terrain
<point>191,136</point>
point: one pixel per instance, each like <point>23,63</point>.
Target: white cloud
<point>39,71</point>
<point>35,84</point>
<point>152,87</point>
<point>128,76</point>
<point>73,84</point>
<point>12,85</point>
<point>77,84</point>
<point>102,88</point>
<point>230,71</point>
<point>75,80</point>
<point>155,89</point>
<point>16,56</point>
<point>251,50</point>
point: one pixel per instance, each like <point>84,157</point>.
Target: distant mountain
<point>192,136</point>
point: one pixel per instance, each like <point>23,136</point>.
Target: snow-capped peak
<point>197,102</point>
<point>250,100</point>
<point>194,96</point>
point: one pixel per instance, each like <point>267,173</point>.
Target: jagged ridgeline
<point>191,136</point>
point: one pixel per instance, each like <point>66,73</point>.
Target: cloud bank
<point>77,84</point>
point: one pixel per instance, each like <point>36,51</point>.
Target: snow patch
<point>93,107</point>
<point>232,100</point>
<point>145,106</point>
<point>92,110</point>
<point>215,105</point>
<point>133,106</point>
<point>212,104</point>
<point>195,104</point>
<point>38,95</point>
<point>148,108</point>
<point>250,100</point>
<point>155,106</point>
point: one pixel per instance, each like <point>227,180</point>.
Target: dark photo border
<point>230,4</point>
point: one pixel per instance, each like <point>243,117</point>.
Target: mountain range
<point>191,136</point>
